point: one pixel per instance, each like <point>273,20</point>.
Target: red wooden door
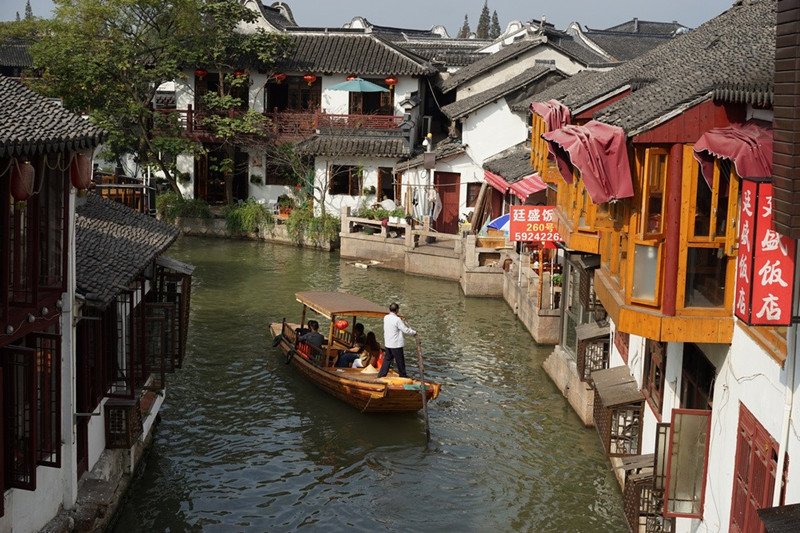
<point>447,185</point>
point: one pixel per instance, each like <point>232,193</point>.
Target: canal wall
<point>275,233</point>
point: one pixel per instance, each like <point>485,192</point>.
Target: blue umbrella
<point>359,85</point>
<point>500,223</point>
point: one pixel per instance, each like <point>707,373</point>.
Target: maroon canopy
<point>748,145</point>
<point>599,151</point>
<point>555,115</point>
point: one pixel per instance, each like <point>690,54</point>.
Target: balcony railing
<point>289,125</point>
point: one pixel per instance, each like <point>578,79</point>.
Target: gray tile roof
<point>444,150</point>
<point>15,55</point>
<point>531,81</point>
<point>345,51</point>
<point>645,27</point>
<point>557,40</point>
<point>30,123</point>
<point>113,246</point>
<point>355,143</point>
<point>626,46</point>
<point>512,164</point>
<point>730,57</point>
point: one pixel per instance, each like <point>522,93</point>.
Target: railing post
<point>189,119</point>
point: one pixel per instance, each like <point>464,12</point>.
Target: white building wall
<point>335,203</point>
<point>492,129</point>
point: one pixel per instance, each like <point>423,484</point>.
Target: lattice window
<point>123,423</point>
<point>593,349</point>
<point>618,406</point>
<point>48,399</point>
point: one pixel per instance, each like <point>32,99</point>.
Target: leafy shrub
<point>247,216</point>
<point>171,205</point>
<point>302,224</point>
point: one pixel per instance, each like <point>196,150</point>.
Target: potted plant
<point>285,204</point>
<point>557,278</point>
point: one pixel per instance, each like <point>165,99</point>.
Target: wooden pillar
<point>672,229</point>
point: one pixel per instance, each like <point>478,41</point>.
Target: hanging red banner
<point>532,223</point>
<point>765,267</point>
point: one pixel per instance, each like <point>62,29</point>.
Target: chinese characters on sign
<point>528,223</point>
<point>765,267</point>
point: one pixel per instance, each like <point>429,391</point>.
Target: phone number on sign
<point>536,236</point>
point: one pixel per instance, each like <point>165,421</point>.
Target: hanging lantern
<point>200,73</point>
<point>341,324</point>
<point>279,77</point>
<point>22,180</point>
<point>391,81</point>
<point>310,78</point>
<point>351,77</point>
<point>238,73</point>
<point>80,171</point>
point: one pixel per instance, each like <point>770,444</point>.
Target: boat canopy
<point>331,303</point>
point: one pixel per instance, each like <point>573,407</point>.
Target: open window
<point>345,179</point>
<point>648,243</point>
<point>687,462</point>
<point>708,236</point>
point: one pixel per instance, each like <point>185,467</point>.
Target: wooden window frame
<point>473,189</point>
<point>337,172</point>
<point>19,431</point>
<point>726,243</point>
<point>655,366</point>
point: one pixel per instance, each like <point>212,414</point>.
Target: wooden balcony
<point>291,126</point>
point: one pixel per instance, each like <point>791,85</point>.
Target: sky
<point>423,14</point>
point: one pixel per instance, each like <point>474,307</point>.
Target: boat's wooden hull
<point>361,390</point>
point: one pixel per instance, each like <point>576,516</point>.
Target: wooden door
<point>447,185</point>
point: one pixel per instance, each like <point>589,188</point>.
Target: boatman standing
<point>393,341</point>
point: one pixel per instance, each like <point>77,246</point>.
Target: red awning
<point>598,150</point>
<point>555,114</point>
<point>496,181</point>
<point>527,186</point>
<point>748,145</point>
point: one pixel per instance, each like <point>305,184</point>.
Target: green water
<point>245,444</point>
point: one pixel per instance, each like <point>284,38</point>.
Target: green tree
<point>17,19</point>
<point>495,31</point>
<point>464,32</point>
<point>482,32</point>
<point>28,10</point>
<point>110,57</point>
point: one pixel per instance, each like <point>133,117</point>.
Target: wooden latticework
<point>617,413</point>
<point>643,506</point>
<point>123,423</point>
<point>594,344</point>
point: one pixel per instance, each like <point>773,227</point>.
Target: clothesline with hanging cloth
<point>599,152</point>
<point>748,145</point>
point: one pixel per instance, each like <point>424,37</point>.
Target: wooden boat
<point>358,387</point>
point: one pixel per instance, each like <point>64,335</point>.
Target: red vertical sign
<point>765,268</point>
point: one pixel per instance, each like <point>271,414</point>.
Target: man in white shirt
<point>393,341</point>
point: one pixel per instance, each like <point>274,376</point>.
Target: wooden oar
<point>422,390</point>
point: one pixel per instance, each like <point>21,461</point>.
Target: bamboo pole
<point>423,391</point>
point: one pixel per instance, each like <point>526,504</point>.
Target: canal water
<point>245,444</point>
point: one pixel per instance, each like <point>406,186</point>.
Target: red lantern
<point>80,171</point>
<point>238,73</point>
<point>391,81</point>
<point>22,180</point>
<point>200,72</point>
<point>351,77</point>
<point>279,77</point>
<point>310,78</point>
<point>341,324</point>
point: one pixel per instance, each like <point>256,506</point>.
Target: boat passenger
<point>313,337</point>
<point>368,358</point>
<point>346,357</point>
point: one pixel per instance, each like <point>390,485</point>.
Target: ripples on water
<point>245,444</point>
